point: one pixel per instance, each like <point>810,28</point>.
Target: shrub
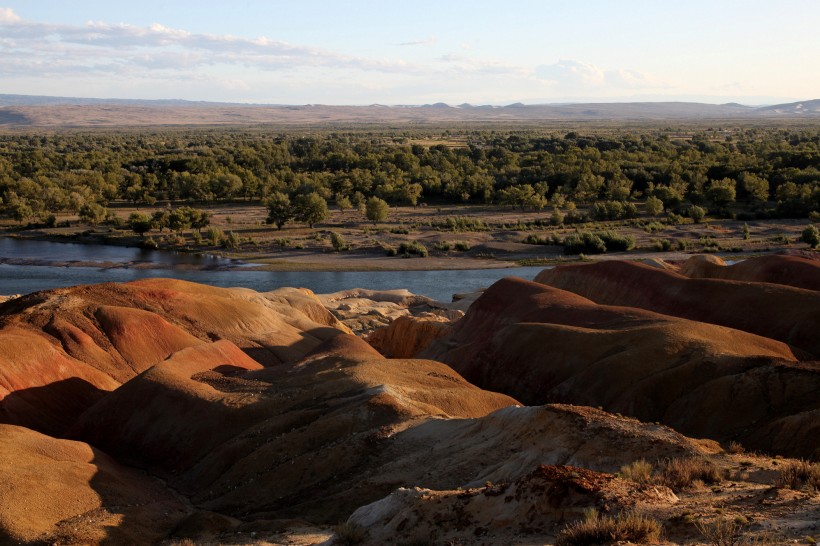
<point>654,206</point>
<point>584,243</point>
<point>735,447</point>
<point>597,529</point>
<point>652,227</point>
<point>682,472</point>
<point>215,236</point>
<point>376,210</point>
<point>150,243</point>
<point>414,248</point>
<point>723,532</point>
<point>338,242</point>
<point>462,246</point>
<point>442,246</point>
<point>464,223</point>
<point>639,471</point>
<point>533,239</point>
<point>231,241</point>
<point>696,213</point>
<point>800,475</point>
<point>661,245</point>
<point>811,236</point>
<point>617,243</point>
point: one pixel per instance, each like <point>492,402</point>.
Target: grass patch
<point>683,473</point>
<point>596,529</point>
<point>348,534</point>
<point>639,471</point>
<point>800,475</point>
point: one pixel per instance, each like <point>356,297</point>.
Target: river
<point>23,279</point>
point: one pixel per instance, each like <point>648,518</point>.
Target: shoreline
<point>312,261</point>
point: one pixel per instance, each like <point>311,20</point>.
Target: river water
<point>23,279</point>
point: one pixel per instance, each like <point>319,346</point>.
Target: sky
<point>413,52</point>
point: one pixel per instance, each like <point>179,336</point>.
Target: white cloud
<point>572,75</point>
<point>158,47</point>
<point>7,16</point>
<point>428,41</point>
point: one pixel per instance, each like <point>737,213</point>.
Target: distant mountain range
<point>42,111</point>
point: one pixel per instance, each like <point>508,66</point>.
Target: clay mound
<point>344,428</point>
<point>60,348</point>
<point>498,513</point>
<point>784,313</point>
<point>59,492</point>
<point>173,438</point>
<point>142,338</point>
<point>541,345</point>
<point>405,337</point>
<point>40,386</point>
<point>796,271</point>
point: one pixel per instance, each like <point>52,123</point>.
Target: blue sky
<point>391,52</point>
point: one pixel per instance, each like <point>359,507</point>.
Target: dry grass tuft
<point>735,447</point>
<point>800,475</point>
<point>348,534</point>
<point>683,472</point>
<point>727,532</point>
<point>639,471</point>
<point>596,529</point>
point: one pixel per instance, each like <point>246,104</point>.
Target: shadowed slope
<point>785,313</point>
<point>541,344</point>
<point>779,269</point>
<point>342,428</point>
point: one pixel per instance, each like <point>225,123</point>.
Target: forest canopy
<point>769,172</point>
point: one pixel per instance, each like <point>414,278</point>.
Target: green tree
<point>342,202</point>
<point>755,186</point>
<point>376,210</point>
<point>654,206</point>
<point>180,219</point>
<point>160,219</point>
<point>140,223</point>
<point>280,210</point>
<point>721,192</point>
<point>92,213</point>
<point>311,208</point>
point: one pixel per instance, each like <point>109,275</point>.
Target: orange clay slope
<point>65,492</point>
<point>60,350</point>
<point>342,428</point>
<point>541,344</point>
<point>784,313</point>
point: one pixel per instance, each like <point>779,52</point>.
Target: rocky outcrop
<point>406,336</point>
<point>797,271</point>
<point>496,513</point>
<point>541,345</point>
<point>784,313</point>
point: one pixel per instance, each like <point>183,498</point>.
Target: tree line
<point>760,172</point>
